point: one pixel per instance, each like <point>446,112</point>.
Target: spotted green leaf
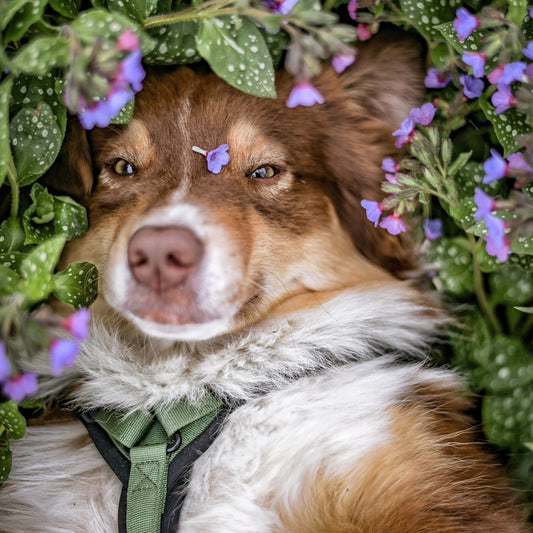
<point>5,96</point>
<point>125,115</point>
<point>67,8</point>
<point>511,285</point>
<point>11,235</point>
<point>9,279</point>
<point>36,138</point>
<point>236,51</point>
<point>37,267</point>
<point>176,44</point>
<point>507,125</point>
<point>517,10</point>
<point>41,55</point>
<point>522,245</point>
<point>12,420</point>
<point>525,262</point>
<point>77,285</point>
<point>426,15</point>
<point>5,461</point>
<point>21,16</point>
<point>136,9</point>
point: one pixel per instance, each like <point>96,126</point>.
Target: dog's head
<point>188,254</point>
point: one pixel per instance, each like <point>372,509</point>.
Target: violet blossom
<point>528,50</point>
<point>464,23</point>
<point>435,79</point>
<point>432,228</point>
<point>5,364</point>
<point>503,98</point>
<point>477,61</point>
<point>280,7</point>
<point>495,167</point>
<point>63,352</point>
<point>513,72</point>
<point>341,62</point>
<point>495,76</point>
<point>472,87</point>
<point>497,244</point>
<point>21,385</point>
<point>405,133</point>
<point>373,209</point>
<point>394,224</point>
<point>216,158</point>
<point>78,323</point>
<point>484,202</point>
<point>424,114</point>
<point>305,94</point>
<point>353,5</point>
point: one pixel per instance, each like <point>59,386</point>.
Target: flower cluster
<point>15,383</point>
<point>101,82</point>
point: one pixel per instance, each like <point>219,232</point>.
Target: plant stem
<point>13,182</point>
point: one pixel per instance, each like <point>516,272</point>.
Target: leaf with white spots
<point>12,419</point>
<point>517,11</point>
<point>136,9</point>
<point>5,461</point>
<point>77,285</point>
<point>426,15</point>
<point>125,114</point>
<point>37,267</point>
<point>21,16</point>
<point>237,52</point>
<point>67,8</point>
<point>507,125</point>
<point>5,96</point>
<point>9,280</point>
<point>41,55</point>
<point>36,138</point>
<point>176,44</point>
<point>11,235</point>
<point>510,285</point>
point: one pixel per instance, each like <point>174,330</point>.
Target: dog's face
<point>188,254</point>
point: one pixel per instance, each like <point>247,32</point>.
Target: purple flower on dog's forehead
<point>435,79</point>
<point>78,323</point>
<point>495,167</point>
<point>373,210</point>
<point>424,114</point>
<point>503,98</point>
<point>281,7</point>
<point>405,133</point>
<point>464,23</point>
<point>432,228</point>
<point>305,94</point>
<point>472,87</point>
<point>341,62</point>
<point>485,204</point>
<point>353,5</point>
<point>513,72</point>
<point>63,353</point>
<point>5,363</point>
<point>477,61</point>
<point>393,224</point>
<point>216,158</point>
<point>528,50</point>
<point>19,386</point>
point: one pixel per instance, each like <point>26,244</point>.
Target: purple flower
<point>472,87</point>
<point>341,62</point>
<point>432,228</point>
<point>435,79</point>
<point>464,23</point>
<point>63,353</point>
<point>78,323</point>
<point>405,133</point>
<point>128,41</point>
<point>5,363</point>
<point>352,8</point>
<point>305,94</point>
<point>424,114</point>
<point>497,243</point>
<point>495,76</point>
<point>500,250</point>
<point>485,204</point>
<point>101,113</point>
<point>130,72</point>
<point>528,50</point>
<point>477,61</point>
<point>281,7</point>
<point>20,386</point>
<point>393,224</point>
<point>495,167</point>
<point>502,99</point>
<point>518,162</point>
<point>363,32</point>
<point>513,72</point>
<point>389,165</point>
<point>217,158</point>
<point>373,210</point>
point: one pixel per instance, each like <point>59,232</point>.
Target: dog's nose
<point>163,257</point>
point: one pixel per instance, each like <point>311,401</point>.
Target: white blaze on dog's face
<point>187,254</point>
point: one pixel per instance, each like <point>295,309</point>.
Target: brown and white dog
<point>266,286</point>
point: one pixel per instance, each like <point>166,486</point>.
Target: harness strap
<point>151,454</point>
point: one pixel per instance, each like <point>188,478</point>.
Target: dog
<point>264,290</point>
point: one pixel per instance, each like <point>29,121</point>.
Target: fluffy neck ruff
<point>112,373</point>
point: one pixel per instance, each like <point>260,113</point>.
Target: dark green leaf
<point>12,420</point>
<point>176,44</point>
<point>11,235</point>
<point>21,16</point>
<point>511,285</point>
<point>5,462</point>
<point>136,9</point>
<point>41,55</point>
<point>426,15</point>
<point>9,280</point>
<point>5,96</point>
<point>67,8</point>
<point>77,285</point>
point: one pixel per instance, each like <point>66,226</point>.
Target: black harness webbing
<point>178,470</point>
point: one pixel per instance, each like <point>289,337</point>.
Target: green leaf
<point>67,8</point>
<point>41,55</point>
<point>9,280</point>
<point>77,285</point>
<point>5,96</point>
<point>36,138</point>
<point>237,52</point>
<point>176,44</point>
<point>511,285</point>
<point>426,15</point>
<point>21,16</point>
<point>12,420</point>
<point>136,9</point>
<point>37,267</point>
<point>11,235</point>
<point>517,11</point>
<point>460,161</point>
<point>470,44</point>
<point>125,114</point>
<point>5,462</point>
<point>507,125</point>
<point>522,245</point>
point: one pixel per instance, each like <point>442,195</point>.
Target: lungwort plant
<point>464,186</point>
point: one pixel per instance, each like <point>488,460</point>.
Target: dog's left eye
<point>123,168</point>
<point>264,172</point>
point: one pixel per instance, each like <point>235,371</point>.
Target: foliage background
<point>438,177</point>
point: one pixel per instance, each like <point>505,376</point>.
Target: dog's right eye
<point>123,168</point>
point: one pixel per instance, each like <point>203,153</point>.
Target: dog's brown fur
<point>307,227</point>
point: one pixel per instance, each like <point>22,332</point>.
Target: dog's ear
<point>379,90</point>
<point>72,171</point>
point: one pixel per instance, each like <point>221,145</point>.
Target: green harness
<point>149,443</point>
